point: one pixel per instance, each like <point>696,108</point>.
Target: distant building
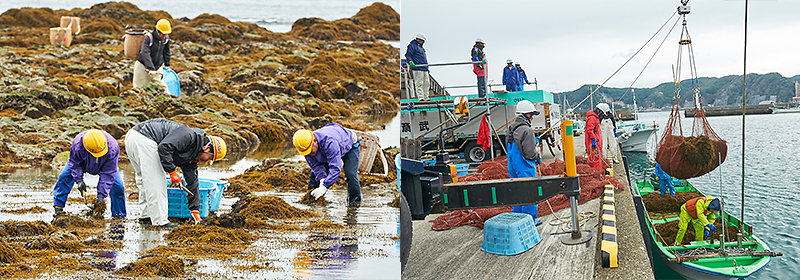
<point>796,98</point>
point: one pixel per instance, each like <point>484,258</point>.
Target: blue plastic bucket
<point>171,79</point>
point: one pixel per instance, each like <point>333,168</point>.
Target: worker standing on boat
<point>593,137</point>
<point>93,152</point>
<point>329,151</point>
<point>522,154</point>
<point>415,54</point>
<point>522,79</point>
<point>609,128</point>
<point>702,212</point>
<point>665,181</point>
<point>157,147</point>
<point>153,53</point>
<point>479,68</point>
<point>510,76</point>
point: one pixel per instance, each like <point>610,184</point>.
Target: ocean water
<point>274,15</point>
<point>772,182</point>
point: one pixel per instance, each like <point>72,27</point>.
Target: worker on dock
<point>522,154</point>
<point>153,53</point>
<point>522,79</point>
<point>479,68</point>
<point>94,152</point>
<point>702,212</point>
<point>664,181</point>
<point>329,151</point>
<point>158,146</point>
<point>608,126</point>
<point>593,137</point>
<point>415,54</point>
<point>510,76</point>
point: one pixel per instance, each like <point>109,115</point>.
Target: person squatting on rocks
<point>415,54</point>
<point>158,146</point>
<point>95,152</point>
<point>325,149</point>
<point>510,76</point>
<point>522,79</point>
<point>479,68</point>
<point>702,212</point>
<point>609,128</point>
<point>593,137</point>
<point>522,154</point>
<point>153,52</point>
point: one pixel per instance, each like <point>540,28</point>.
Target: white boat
<point>633,136</point>
<point>776,110</point>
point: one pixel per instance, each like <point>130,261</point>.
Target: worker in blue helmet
<point>701,212</point>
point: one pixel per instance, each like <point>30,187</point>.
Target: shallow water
<point>376,254</point>
<point>771,182</point>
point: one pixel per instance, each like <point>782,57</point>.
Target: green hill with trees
<point>722,91</point>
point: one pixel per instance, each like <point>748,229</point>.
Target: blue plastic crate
<point>220,186</point>
<point>509,234</point>
<point>177,200</point>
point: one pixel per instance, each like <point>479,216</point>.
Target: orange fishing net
<point>693,156</point>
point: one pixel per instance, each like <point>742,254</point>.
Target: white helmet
<point>525,106</point>
<point>479,40</point>
<point>509,61</point>
<point>421,36</point>
<point>603,107</point>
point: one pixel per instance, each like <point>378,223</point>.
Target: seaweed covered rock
<point>154,266</point>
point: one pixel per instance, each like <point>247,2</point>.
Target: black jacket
<point>152,55</point>
<point>178,145</point>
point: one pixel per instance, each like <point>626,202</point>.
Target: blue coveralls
<point>510,75</point>
<point>65,183</point>
<point>519,167</point>
<point>522,79</point>
<point>665,181</point>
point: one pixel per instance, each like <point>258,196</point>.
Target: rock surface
<point>239,81</point>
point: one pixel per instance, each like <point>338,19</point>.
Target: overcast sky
<point>568,43</point>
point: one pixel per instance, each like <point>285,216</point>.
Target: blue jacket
<point>334,141</point>
<point>510,75</point>
<point>522,78</point>
<point>416,53</point>
<point>81,161</point>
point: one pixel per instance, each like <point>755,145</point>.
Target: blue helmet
<point>714,205</point>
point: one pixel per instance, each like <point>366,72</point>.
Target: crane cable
<point>626,62</point>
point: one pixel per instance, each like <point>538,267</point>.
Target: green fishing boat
<point>701,259</point>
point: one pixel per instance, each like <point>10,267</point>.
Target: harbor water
<point>771,198</point>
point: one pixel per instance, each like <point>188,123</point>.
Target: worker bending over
<point>329,151</point>
<point>702,212</point>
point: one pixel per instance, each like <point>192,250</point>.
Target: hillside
<point>715,91</point>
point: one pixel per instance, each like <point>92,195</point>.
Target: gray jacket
<point>521,132</point>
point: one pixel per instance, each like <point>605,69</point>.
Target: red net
<point>592,182</point>
<point>693,156</point>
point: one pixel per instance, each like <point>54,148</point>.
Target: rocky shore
<point>238,80</point>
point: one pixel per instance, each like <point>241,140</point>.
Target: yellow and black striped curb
<point>608,245</point>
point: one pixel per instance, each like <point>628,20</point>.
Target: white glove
<point>319,192</point>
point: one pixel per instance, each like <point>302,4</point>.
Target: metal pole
<point>488,108</point>
<point>744,106</point>
<point>577,236</point>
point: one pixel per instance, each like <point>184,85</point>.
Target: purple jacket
<point>334,141</point>
<point>81,161</point>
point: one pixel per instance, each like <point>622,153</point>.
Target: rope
<point>626,62</point>
<point>565,222</point>
<point>651,58</point>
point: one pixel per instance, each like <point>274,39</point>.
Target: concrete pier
<point>730,110</point>
<point>456,253</point>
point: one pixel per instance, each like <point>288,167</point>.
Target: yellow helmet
<point>95,142</point>
<point>303,140</point>
<point>218,147</point>
<point>163,26</point>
